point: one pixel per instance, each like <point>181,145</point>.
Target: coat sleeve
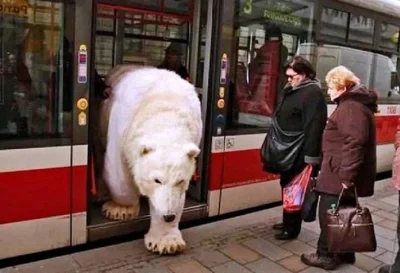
<point>353,124</point>
<point>314,121</point>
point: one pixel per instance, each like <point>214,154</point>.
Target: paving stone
<point>231,267</point>
<point>241,254</point>
<point>190,266</point>
<point>377,252</point>
<point>67,263</point>
<point>313,243</point>
<point>386,215</point>
<point>110,253</point>
<point>384,232</point>
<point>392,225</point>
<point>391,200</point>
<point>298,248</point>
<point>380,205</point>
<point>390,245</point>
<point>293,263</point>
<point>377,219</point>
<point>348,269</point>
<point>313,270</point>
<point>153,269</point>
<point>266,265</point>
<point>313,227</point>
<point>210,258</point>
<point>366,263</point>
<point>307,236</point>
<point>387,257</point>
<point>271,238</point>
<point>267,249</point>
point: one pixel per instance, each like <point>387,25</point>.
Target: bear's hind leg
<point>114,211</point>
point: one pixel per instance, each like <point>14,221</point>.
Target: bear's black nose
<point>169,218</point>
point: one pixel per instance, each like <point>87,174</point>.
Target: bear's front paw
<point>170,243</point>
<point>113,211</point>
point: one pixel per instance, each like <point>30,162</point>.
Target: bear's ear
<point>192,150</point>
<point>145,149</point>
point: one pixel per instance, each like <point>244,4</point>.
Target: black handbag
<point>309,209</point>
<point>280,148</point>
<point>350,228</point>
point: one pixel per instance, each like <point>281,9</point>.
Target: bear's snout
<point>169,218</point>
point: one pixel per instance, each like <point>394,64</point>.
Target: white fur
<point>153,135</point>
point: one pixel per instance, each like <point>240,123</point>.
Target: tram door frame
<point>198,190</point>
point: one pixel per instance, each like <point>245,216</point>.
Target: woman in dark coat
<point>302,107</point>
<point>349,155</point>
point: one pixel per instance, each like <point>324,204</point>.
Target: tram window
<point>105,21</point>
<point>151,25</point>
<point>386,78</point>
<point>361,29</point>
<point>334,25</point>
<point>36,72</point>
<point>267,34</point>
<point>389,37</point>
<point>149,52</point>
<point>104,54</point>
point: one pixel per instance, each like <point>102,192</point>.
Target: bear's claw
<point>168,244</point>
<point>113,211</point>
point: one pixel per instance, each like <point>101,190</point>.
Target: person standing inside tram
<point>173,61</point>
<point>349,156</point>
<point>395,183</point>
<point>302,107</point>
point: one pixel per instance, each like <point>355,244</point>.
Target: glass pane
<point>334,25</point>
<point>386,80</point>
<point>104,54</point>
<point>36,72</point>
<point>202,44</point>
<point>389,37</point>
<point>267,33</point>
<point>148,52</point>
<point>154,25</point>
<point>105,19</point>
<point>361,29</point>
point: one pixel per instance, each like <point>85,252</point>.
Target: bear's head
<point>162,173</point>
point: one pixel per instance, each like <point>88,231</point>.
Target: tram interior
<point>141,36</point>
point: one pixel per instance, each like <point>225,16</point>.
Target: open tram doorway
<point>145,33</point>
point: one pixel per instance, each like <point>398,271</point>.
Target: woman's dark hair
<point>301,65</point>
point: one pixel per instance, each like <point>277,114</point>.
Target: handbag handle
<point>358,207</point>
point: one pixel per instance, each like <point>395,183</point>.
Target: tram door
<point>146,33</point>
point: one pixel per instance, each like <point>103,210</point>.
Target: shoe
<point>284,235</point>
<point>347,258</point>
<point>278,226</point>
<point>389,269</point>
<point>326,263</point>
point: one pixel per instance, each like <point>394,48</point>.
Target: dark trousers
<point>291,221</point>
<point>325,203</point>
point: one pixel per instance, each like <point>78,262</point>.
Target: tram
<point>54,53</point>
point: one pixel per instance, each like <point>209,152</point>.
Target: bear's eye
<point>157,181</point>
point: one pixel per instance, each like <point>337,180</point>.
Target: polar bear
<point>151,128</point>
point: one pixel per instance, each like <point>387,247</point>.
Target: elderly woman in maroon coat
<point>349,155</point>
